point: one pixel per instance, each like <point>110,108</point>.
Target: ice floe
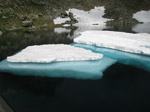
<point>52,53</point>
<point>134,43</point>
<point>142,16</point>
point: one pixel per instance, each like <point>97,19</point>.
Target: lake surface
<point>123,87</point>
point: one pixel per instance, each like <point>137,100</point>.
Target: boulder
<point>1,33</point>
<point>23,18</point>
<point>27,23</point>
<point>71,15</point>
<point>73,20</point>
<point>64,15</point>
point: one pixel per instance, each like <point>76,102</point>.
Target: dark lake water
<point>124,86</point>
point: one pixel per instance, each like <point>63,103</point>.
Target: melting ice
<point>134,43</point>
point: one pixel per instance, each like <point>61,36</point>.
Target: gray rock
<point>38,2</point>
<point>54,10</point>
<point>1,11</point>
<point>23,18</point>
<point>40,15</point>
<point>1,33</point>
<point>27,23</point>
<point>4,17</point>
<point>73,20</point>
<point>64,15</point>
<point>71,15</point>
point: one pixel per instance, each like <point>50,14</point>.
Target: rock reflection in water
<point>15,41</point>
<point>37,85</point>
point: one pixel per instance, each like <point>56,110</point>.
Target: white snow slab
<point>52,53</point>
<point>142,16</point>
<point>134,43</point>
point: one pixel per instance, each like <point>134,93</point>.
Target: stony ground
<point>38,14</point>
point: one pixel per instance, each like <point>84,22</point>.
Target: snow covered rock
<point>134,43</point>
<point>52,53</point>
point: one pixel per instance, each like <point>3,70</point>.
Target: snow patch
<point>92,17</point>
<point>87,20</point>
<point>52,53</point>
<point>62,30</point>
<point>61,20</point>
<point>117,40</point>
<point>142,16</point>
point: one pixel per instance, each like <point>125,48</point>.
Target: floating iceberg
<point>78,69</point>
<point>134,43</point>
<point>139,61</point>
<point>52,53</point>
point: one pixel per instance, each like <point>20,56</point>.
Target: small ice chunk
<point>117,40</point>
<point>53,52</point>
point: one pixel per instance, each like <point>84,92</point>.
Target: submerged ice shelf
<point>137,60</point>
<point>134,43</point>
<point>77,69</point>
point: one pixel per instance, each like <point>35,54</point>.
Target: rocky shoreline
<point>33,15</point>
